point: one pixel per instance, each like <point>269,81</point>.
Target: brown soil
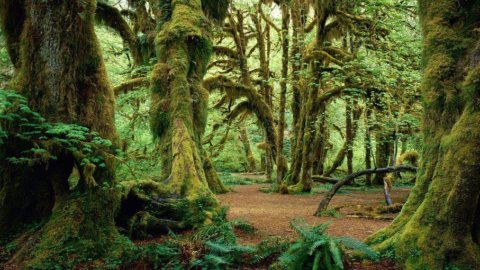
<point>271,213</point>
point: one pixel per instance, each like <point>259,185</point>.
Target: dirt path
<point>271,213</point>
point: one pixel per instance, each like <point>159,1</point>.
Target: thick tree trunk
<point>179,103</point>
<point>321,144</point>
<point>62,75</point>
<point>439,222</point>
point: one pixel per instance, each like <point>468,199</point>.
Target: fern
<point>314,249</point>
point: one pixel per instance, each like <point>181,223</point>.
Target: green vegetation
<point>316,250</point>
<point>120,121</point>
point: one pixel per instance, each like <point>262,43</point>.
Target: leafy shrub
<point>19,122</point>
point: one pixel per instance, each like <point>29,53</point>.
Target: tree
<point>61,73</point>
<point>439,225</point>
<point>179,100</point>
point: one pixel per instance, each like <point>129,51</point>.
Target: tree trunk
<point>62,75</point>
<point>252,164</point>
<point>179,104</point>
<point>321,144</point>
<point>282,165</point>
<point>263,41</point>
<point>439,222</point>
<point>382,154</point>
<point>349,135</point>
<point>368,142</point>
<point>343,151</point>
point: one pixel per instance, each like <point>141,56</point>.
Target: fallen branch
<point>324,179</point>
<point>349,178</point>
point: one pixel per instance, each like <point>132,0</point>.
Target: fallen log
<point>324,179</point>
<point>349,178</point>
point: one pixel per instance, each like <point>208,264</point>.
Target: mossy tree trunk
<point>282,165</point>
<point>349,135</point>
<point>383,145</point>
<point>368,142</point>
<point>263,41</point>
<point>243,136</point>
<point>179,101</point>
<point>62,75</point>
<point>439,225</point>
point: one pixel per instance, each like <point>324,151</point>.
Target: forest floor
<point>271,213</point>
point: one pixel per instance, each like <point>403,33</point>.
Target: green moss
<point>184,49</point>
<point>434,229</point>
<point>79,231</point>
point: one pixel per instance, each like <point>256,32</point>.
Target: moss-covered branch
<point>112,17</point>
<point>351,177</point>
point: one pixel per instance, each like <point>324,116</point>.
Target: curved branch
<point>129,85</point>
<point>267,20</point>
<point>349,179</point>
<point>222,50</point>
<point>112,17</point>
<point>256,103</point>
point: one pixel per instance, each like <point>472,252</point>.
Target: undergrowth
<point>315,250</point>
<point>213,246</point>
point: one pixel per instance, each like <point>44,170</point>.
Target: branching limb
<point>349,179</point>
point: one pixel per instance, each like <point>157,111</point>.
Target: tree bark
<point>439,222</point>
<point>252,164</point>
<point>282,165</point>
<point>179,104</point>
<point>349,135</point>
<point>368,142</point>
<point>62,75</point>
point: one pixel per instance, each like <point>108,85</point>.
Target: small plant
<point>316,250</point>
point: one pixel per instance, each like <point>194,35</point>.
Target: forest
<point>240,134</point>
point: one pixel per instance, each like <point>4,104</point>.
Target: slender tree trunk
<point>263,40</point>
<point>349,135</point>
<point>252,164</point>
<point>282,166</point>
<point>383,147</point>
<point>368,143</point>
<point>440,219</point>
<point>343,151</point>
<point>297,65</point>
